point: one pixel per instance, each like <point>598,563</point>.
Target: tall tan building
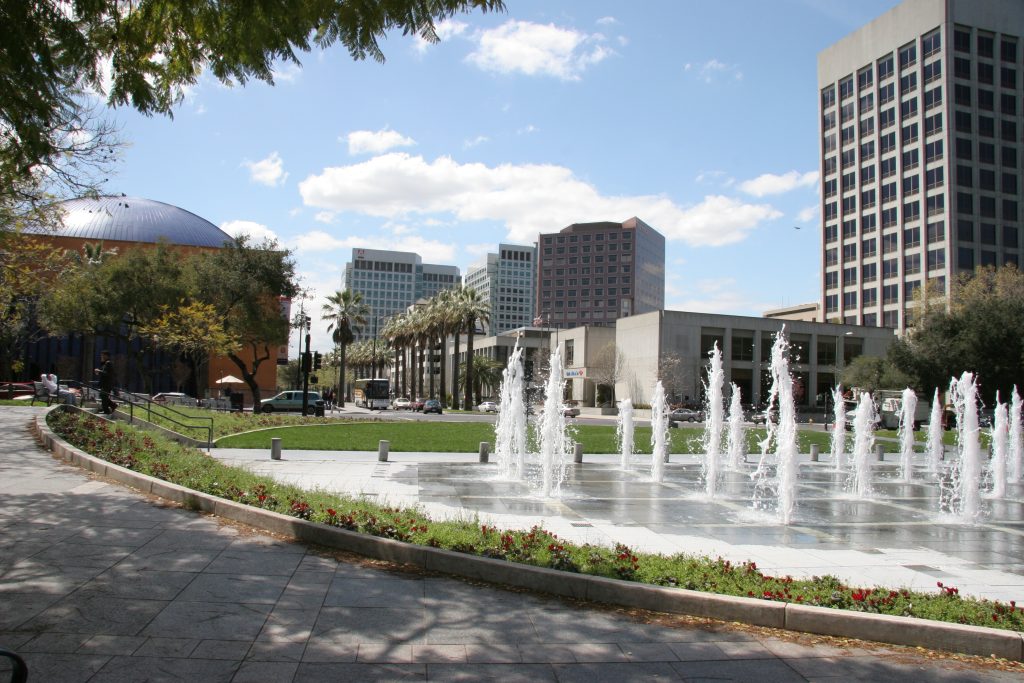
<point>922,125</point>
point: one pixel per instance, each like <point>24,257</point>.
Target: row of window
<point>985,44</point>
<point>583,303</point>
<point>586,248</point>
<point>586,237</point>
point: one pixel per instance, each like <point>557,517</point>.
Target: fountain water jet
<point>736,443</point>
<point>863,443</point>
<point>659,433</point>
<point>782,434</point>
<point>712,440</point>
<point>1016,439</point>
<point>908,409</point>
<point>935,447</point>
<point>624,432</point>
<point>510,428</point>
<point>555,444</point>
<point>963,497</point>
<point>838,444</point>
<point>1000,437</point>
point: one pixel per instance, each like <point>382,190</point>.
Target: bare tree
<point>674,375</point>
<point>607,369</point>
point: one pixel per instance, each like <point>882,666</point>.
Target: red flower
<point>858,596</point>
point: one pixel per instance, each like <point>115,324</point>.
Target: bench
<point>41,393</point>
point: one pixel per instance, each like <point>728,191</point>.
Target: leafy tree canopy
<point>142,53</point>
<point>981,331</point>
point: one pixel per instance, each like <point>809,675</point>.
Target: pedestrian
<point>106,376</point>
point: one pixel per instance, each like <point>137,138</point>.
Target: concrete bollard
<point>382,450</point>
<point>275,448</point>
<point>485,451</point>
<point>814,452</point>
<point>880,452</point>
<point>577,453</point>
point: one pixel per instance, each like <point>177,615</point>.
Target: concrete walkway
<point>99,583</point>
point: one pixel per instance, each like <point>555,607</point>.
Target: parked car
<point>571,409</point>
<point>488,407</point>
<point>684,415</point>
<point>432,406</point>
<point>401,403</point>
<point>291,401</point>
<point>417,404</point>
<point>760,417</point>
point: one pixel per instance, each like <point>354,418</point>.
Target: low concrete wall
<point>974,640</point>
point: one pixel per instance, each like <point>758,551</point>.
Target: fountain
<point>624,432</point>
<point>905,434</point>
<point>1016,439</point>
<point>510,429</point>
<point>736,443</point>
<point>1000,437</point>
<point>659,433</point>
<point>555,444</point>
<point>863,443</point>
<point>962,497</point>
<point>783,435</point>
<point>713,422</point>
<point>838,444</point>
<point>935,446</point>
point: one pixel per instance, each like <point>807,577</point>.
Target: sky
<point>700,118</point>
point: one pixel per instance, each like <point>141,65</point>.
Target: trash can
<point>237,402</point>
<point>318,409</point>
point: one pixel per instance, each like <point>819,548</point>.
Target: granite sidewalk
<point>100,583</point>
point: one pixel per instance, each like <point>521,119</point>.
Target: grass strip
<point>159,457</point>
<point>465,437</point>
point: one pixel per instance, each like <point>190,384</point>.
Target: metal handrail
<point>146,403</point>
<point>19,671</point>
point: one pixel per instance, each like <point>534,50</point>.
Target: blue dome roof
<point>133,219</point>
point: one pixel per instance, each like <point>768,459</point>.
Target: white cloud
<point>527,129</point>
<point>446,29</point>
<point>808,215</point>
<point>718,295</point>
<point>717,177</point>
<point>269,171</point>
<point>318,241</point>
<point>606,21</point>
<point>478,140</point>
<point>769,183</point>
<point>257,232</point>
<point>481,249</point>
<point>714,70</point>
<point>375,142</point>
<point>528,199</point>
<point>286,72</point>
<point>538,49</point>
<point>324,217</point>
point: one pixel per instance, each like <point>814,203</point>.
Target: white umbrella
<point>230,379</point>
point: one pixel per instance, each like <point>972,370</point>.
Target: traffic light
<point>307,359</point>
<point>317,360</point>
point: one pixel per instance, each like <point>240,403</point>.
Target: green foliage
<point>154,49</point>
<point>982,332</point>
<point>871,373</point>
<point>536,546</point>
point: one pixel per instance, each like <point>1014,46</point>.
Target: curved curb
<point>883,628</point>
<point>342,420</point>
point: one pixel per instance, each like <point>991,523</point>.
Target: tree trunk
<point>431,370</point>
<point>444,348</point>
<point>455,372</point>
<point>344,384</point>
<point>469,363</point>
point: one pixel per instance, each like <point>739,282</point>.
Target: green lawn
<point>465,437</point>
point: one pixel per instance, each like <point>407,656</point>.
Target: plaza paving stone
<point>100,583</point>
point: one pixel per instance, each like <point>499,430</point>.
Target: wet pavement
<point>100,583</point>
<point>897,539</point>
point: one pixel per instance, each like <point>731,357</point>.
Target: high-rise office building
<point>392,281</point>
<point>922,123</point>
<point>596,273</point>
<point>507,279</point>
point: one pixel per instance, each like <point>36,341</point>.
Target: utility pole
<point>307,363</point>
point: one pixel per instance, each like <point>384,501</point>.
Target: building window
<point>908,108</point>
<point>911,264</point>
<point>965,258</point>
<point>985,46</point>
<point>935,204</point>
<point>934,177</point>
<point>886,118</point>
<point>931,43</point>
<point>932,98</point>
<point>932,71</point>
<point>1008,50</point>
<point>890,294</point>
<point>891,319</point>
<point>962,121</point>
<point>887,143</point>
<point>866,103</point>
<point>962,67</point>
<point>908,55</point>
<point>867,172</point>
<point>849,300</point>
<point>890,243</point>
<point>911,237</point>
<point>888,167</point>
<point>908,83</point>
<point>962,94</point>
<point>962,40</point>
<point>831,279</point>
<point>886,93</point>
<point>1010,236</point>
<point>869,272</point>
<point>885,67</point>
<point>933,151</point>
<point>911,158</point>
<point>1008,104</point>
<point>869,297</point>
<point>965,231</point>
<point>864,78</point>
<point>911,184</point>
<point>936,231</point>
<point>869,248</point>
<point>936,259</point>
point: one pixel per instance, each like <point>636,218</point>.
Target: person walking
<point>106,376</point>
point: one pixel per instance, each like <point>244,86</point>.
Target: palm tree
<point>445,314</point>
<point>347,313</point>
<point>392,332</point>
<point>486,373</point>
<point>472,307</point>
